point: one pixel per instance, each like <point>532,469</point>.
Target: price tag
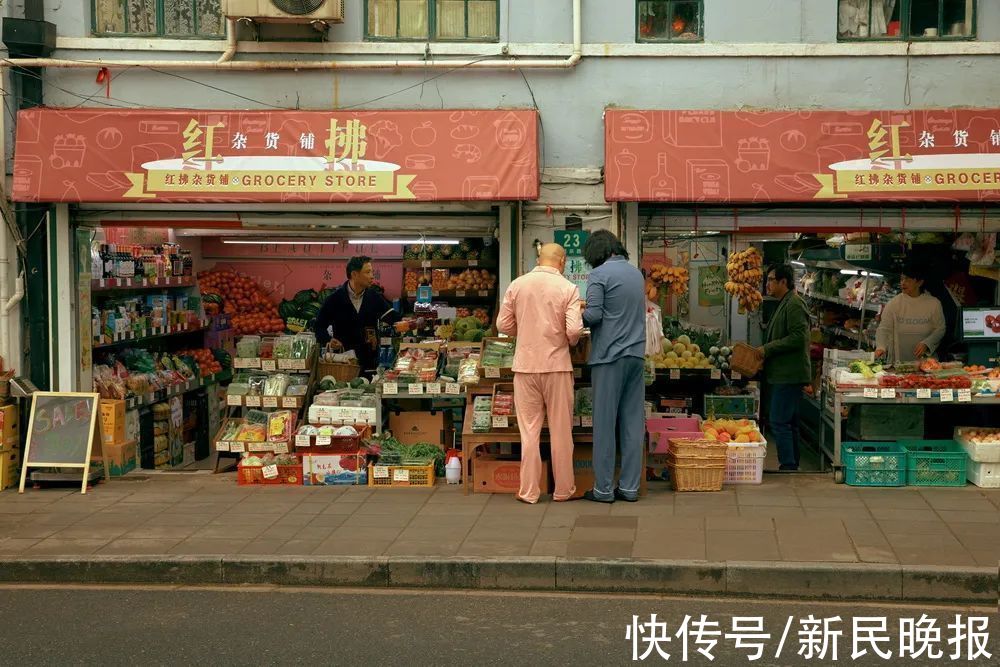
<point>587,421</point>
<point>473,262</point>
<point>253,401</point>
<point>675,374</point>
<point>222,446</point>
<point>270,472</point>
<point>923,392</point>
<point>433,388</point>
<point>887,393</point>
<point>400,475</point>
<point>492,372</point>
<point>716,374</point>
<point>281,448</point>
<point>735,375</point>
<point>947,395</point>
<point>483,292</point>
<point>303,441</point>
<point>426,264</point>
<point>501,421</point>
<point>390,389</point>
<point>268,364</point>
<point>237,447</point>
<point>290,402</point>
<point>964,395</point>
<point>578,373</point>
<point>415,389</point>
<point>269,401</point>
<point>453,389</point>
<point>871,392</point>
<point>385,341</point>
<point>233,399</point>
<point>460,293</point>
<point>323,441</point>
<point>381,472</point>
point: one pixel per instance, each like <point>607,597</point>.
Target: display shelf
<point>148,334</point>
<point>419,389</point>
<point>266,402</point>
<point>282,365</point>
<point>127,284</point>
<point>869,307</point>
<point>856,336</point>
<point>448,264</point>
<point>175,390</point>
<point>239,447</point>
<point>458,294</point>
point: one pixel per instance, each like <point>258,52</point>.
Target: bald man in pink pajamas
<point>542,309</point>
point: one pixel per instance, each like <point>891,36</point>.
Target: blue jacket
<point>616,312</point>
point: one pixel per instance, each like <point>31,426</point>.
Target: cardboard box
<point>434,427</point>
<point>583,470</point>
<point>10,468</point>
<point>121,458</point>
<point>494,475</point>
<point>10,422</point>
<point>112,421</point>
<point>131,425</point>
<point>334,469</point>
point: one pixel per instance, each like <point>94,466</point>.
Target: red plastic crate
<point>252,475</point>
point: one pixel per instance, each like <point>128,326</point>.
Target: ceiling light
<point>403,241</point>
<point>266,242</point>
<point>797,263</point>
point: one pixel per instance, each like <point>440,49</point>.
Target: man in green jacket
<point>786,362</point>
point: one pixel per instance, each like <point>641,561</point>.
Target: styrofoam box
<point>984,475</point>
<point>847,355</point>
<point>980,452</point>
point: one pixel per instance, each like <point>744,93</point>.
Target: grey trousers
<point>619,425</point>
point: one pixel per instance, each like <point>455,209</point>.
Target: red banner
<point>151,155</point>
<point>800,156</point>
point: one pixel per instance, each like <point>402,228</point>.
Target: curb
<point>814,581</point>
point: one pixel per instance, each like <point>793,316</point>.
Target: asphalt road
<point>272,626</point>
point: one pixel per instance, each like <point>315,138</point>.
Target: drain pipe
<point>226,63</point>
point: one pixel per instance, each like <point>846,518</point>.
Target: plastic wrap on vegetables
<point>280,426</point>
<point>276,385</point>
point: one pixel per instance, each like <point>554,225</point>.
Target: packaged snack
<point>468,370</point>
<point>280,426</point>
<point>276,385</point>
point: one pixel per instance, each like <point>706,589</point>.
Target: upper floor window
<point>158,18</point>
<point>906,19</point>
<point>436,20</point>
<point>669,20</point>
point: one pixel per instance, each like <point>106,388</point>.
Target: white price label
<point>237,447</point>
<point>222,446</point>
<point>426,264</point>
<point>964,395</point>
<point>501,421</point>
<point>290,402</point>
<point>578,373</point>
<point>923,392</point>
<point>253,401</point>
<point>675,374</point>
<point>453,389</point>
<point>473,262</point>
<point>323,441</point>
<point>483,292</point>
<point>587,421</point>
<point>871,392</point>
<point>460,293</point>
<point>947,395</point>
<point>415,389</point>
<point>887,393</point>
<point>269,401</point>
<point>716,374</point>
<point>270,472</point>
<point>400,475</point>
<point>381,472</point>
<point>303,441</point>
<point>390,388</point>
<point>492,372</point>
<point>233,399</point>
<point>736,375</point>
<point>281,448</point>
<point>268,364</point>
<point>433,388</point>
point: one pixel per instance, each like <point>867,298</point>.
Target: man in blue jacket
<point>616,314</point>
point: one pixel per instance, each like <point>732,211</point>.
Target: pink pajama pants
<point>537,395</point>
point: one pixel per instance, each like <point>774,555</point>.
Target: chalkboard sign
<point>61,430</point>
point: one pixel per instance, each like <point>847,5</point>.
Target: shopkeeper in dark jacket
<point>351,314</point>
<point>786,363</point>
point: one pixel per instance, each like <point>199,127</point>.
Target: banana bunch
<point>744,270</point>
<point>674,277</point>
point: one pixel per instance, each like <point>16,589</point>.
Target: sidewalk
<point>791,523</point>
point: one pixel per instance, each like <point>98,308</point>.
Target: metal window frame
<point>904,26</point>
<point>161,21</point>
<point>671,40</point>
<point>432,27</point>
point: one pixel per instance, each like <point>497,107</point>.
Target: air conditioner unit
<point>285,11</point>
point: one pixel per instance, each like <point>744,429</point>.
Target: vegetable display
<point>914,381</point>
<point>240,297</point>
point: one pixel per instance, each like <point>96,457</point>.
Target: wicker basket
<point>340,372</point>
<point>700,476</point>
<point>746,360</point>
<point>685,448</point>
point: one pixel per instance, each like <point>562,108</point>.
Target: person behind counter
<point>912,323</point>
<point>352,313</point>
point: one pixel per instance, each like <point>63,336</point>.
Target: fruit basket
<point>745,464</point>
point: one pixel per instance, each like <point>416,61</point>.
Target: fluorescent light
<point>404,242</point>
<point>852,272</point>
<point>797,263</point>
<point>849,272</point>
<point>265,242</point>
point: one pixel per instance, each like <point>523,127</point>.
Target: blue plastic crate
<point>873,463</point>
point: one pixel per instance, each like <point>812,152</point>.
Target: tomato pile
<point>914,381</point>
<point>207,363</point>
<point>243,299</point>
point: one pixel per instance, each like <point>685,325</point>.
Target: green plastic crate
<point>873,463</point>
<point>935,462</point>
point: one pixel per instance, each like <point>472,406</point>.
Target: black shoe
<point>589,495</point>
<point>621,496</point>
<point>788,468</point>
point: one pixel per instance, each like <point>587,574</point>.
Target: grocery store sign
<point>801,155</point>
<point>90,155</point>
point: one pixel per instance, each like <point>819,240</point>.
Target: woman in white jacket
<point>912,323</point>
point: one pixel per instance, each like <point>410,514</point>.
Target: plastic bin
<point>745,464</point>
<point>984,475</point>
<point>873,463</point>
<point>935,462</point>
